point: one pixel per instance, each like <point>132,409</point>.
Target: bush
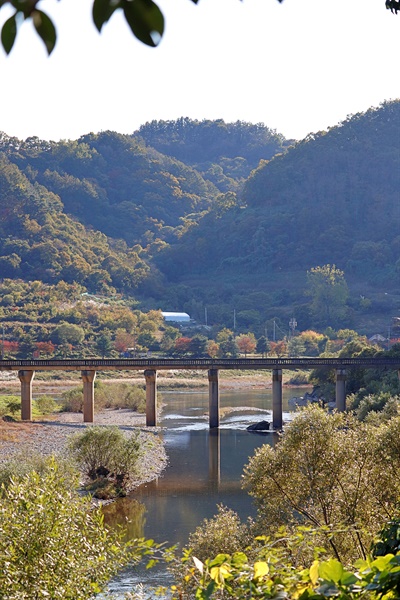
<point>21,464</point>
<point>52,545</point>
<point>9,401</point>
<point>114,395</point>
<point>120,395</point>
<point>46,405</point>
<point>72,401</point>
<point>107,458</point>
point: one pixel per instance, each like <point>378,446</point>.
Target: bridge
<point>90,366</point>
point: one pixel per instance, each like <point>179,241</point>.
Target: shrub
<point>52,545</point>
<point>26,461</point>
<point>107,458</point>
<point>46,405</point>
<point>120,395</point>
<point>72,400</point>
<point>114,395</point>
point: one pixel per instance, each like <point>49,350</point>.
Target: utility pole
<point>234,319</point>
<point>205,315</point>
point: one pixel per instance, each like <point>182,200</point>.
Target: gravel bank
<point>50,437</point>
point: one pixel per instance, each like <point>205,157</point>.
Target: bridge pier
<point>213,397</point>
<point>341,390</point>
<point>26,378</point>
<point>88,378</point>
<point>151,397</point>
<point>277,420</point>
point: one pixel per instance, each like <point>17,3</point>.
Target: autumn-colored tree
<point>212,349</point>
<point>10,347</point>
<point>278,348</point>
<point>246,342</point>
<point>123,340</point>
<point>46,348</point>
<point>182,345</point>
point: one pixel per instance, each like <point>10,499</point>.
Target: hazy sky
<point>299,66</point>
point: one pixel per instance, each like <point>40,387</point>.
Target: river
<point>204,470</point>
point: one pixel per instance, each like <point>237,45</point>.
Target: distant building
<point>176,317</point>
<point>377,338</point>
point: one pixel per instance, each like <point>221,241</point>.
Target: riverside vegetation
<point>328,499</point>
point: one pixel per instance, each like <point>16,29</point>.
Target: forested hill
<point>332,198</point>
<point>137,198</point>
<point>39,241</point>
<point>224,153</point>
<point>183,215</point>
<point>112,183</point>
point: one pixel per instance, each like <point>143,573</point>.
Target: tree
<point>182,345</point>
<point>332,473</point>
<point>328,290</point>
<point>52,544</point>
<point>103,345</point>
<point>123,340</point>
<point>246,342</point>
<point>262,345</point>
<point>68,333</point>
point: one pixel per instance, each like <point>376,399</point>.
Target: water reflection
<point>205,469</point>
<point>127,514</point>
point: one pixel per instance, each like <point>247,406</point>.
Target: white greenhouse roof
<point>176,316</point>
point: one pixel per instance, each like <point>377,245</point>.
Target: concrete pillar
<point>88,378</point>
<point>341,390</point>
<point>213,397</point>
<point>26,378</point>
<point>151,397</point>
<point>277,420</point>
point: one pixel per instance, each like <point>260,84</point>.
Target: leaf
<point>145,20</point>
<point>102,11</point>
<point>260,569</point>
<point>45,28</point>
<point>8,34</point>
<point>314,572</point>
<point>199,565</point>
<point>331,570</point>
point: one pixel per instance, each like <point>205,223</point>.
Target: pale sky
<point>298,67</point>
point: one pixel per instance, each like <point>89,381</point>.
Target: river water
<point>204,470</point>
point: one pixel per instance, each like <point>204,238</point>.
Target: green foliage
<point>14,406</point>
<point>108,457</point>
<point>323,473</point>
<point>46,405</point>
<point>9,400</point>
<point>68,333</point>
<point>328,290</point>
<point>72,400</point>
<point>23,463</point>
<point>52,544</point>
<point>235,576</point>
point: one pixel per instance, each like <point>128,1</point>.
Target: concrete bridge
<point>89,367</point>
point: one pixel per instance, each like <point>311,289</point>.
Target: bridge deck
<point>115,364</point>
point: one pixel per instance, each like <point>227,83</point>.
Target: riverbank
<point>50,436</point>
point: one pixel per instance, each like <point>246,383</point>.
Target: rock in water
<point>261,426</point>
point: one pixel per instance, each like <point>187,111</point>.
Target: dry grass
<point>14,432</point>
